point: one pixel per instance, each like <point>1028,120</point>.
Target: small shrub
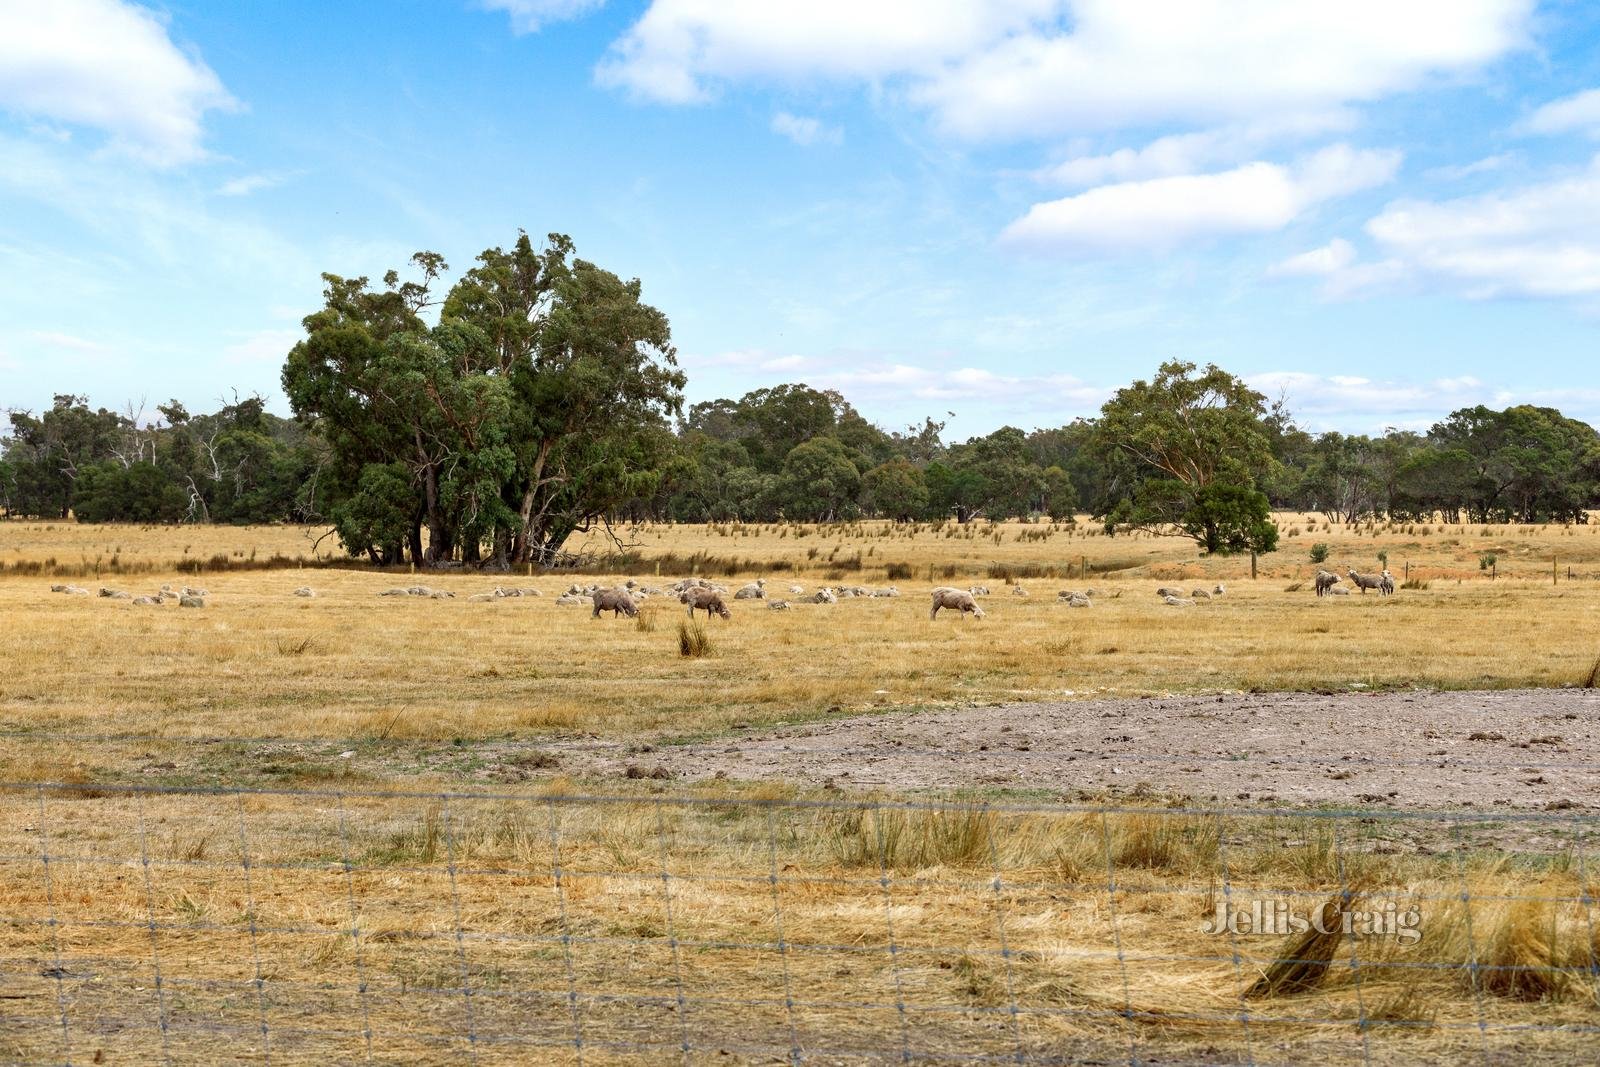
<point>1294,587</point>
<point>644,622</point>
<point>288,646</point>
<point>693,641</point>
<point>1487,561</point>
<point>1318,552</point>
<point>898,572</point>
<point>1414,583</point>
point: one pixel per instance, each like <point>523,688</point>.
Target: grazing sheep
<point>956,599</point>
<point>1388,582</point>
<point>305,591</point>
<point>1371,581</point>
<point>756,590</point>
<point>187,601</point>
<point>616,601</point>
<point>707,600</point>
<point>1325,581</point>
<point>777,605</point>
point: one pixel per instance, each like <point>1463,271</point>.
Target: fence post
<point>1252,565</point>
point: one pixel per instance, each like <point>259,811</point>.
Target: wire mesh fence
<point>143,923</point>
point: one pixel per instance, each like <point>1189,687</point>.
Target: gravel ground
<point>1518,749</point>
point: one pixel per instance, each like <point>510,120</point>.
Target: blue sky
<point>1000,209</point>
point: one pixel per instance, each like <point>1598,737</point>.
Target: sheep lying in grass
<point>756,590</point>
<point>979,590</point>
<point>1339,590</point>
<point>1325,581</point>
<point>777,605</point>
<point>822,596</point>
<point>1176,602</point>
<point>616,601</point>
<point>1218,590</point>
<point>187,601</point>
<point>707,600</point>
<point>960,600</point>
<point>147,601</point>
<point>1371,581</point>
<point>114,594</point>
<point>1199,594</point>
<point>797,590</point>
<point>571,600</point>
<point>1073,599</point>
<point>1166,591</point>
<point>305,591</point>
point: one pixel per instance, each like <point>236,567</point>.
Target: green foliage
<point>1318,552</point>
<point>1194,445</point>
<point>896,489</point>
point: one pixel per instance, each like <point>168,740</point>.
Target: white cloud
<point>1033,68</point>
<point>805,131</point>
<point>1187,153</point>
<point>1162,212</point>
<point>109,65</point>
<point>1355,403</point>
<point>246,184</point>
<point>681,51</point>
<point>266,347</point>
<point>67,341</point>
<point>1331,258</point>
<point>1138,62</point>
<point>1541,240</point>
<point>1478,166</point>
<point>528,16</point>
<point>1580,111</point>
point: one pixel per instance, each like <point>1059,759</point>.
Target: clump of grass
<point>289,646</point>
<point>1294,587</point>
<point>693,641</point>
<point>644,622</point>
<point>1414,583</point>
<point>897,572</point>
<point>1305,960</point>
<point>1592,679</point>
<point>1518,961</point>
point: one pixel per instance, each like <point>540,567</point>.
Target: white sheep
<point>961,600</point>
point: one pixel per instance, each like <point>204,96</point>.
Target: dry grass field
<point>400,909</point>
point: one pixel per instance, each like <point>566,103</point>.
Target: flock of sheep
<point>698,594</point>
<point>1327,583</point>
<point>187,597</point>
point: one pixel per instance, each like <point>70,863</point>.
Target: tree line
<point>539,396</point>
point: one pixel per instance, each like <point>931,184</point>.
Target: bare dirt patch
<point>1520,749</point>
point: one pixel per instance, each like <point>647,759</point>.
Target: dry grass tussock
<point>450,907</point>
